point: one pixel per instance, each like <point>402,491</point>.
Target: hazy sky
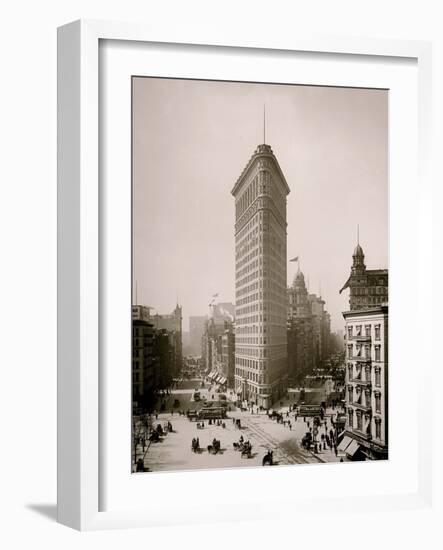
<point>192,140</point>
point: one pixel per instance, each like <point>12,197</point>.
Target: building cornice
<point>382,310</point>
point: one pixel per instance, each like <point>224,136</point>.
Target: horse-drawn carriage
<point>275,415</point>
<point>244,447</point>
<point>307,441</point>
<point>192,415</point>
<point>215,447</point>
<point>268,459</point>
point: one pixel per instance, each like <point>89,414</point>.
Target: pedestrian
<point>335,450</point>
<point>290,426</point>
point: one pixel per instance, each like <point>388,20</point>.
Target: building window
<point>378,402</point>
<point>377,353</point>
<point>351,418</point>
<point>358,330</point>
<point>368,330</point>
<point>368,373</point>
<point>350,350</point>
<point>350,332</point>
<point>350,394</point>
<point>368,352</point>
<point>378,428</point>
<point>377,332</point>
<point>359,421</point>
<point>378,376</point>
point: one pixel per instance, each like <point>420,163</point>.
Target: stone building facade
<point>309,331</point>
<point>367,287</point>
<point>260,279</point>
<point>367,350</point>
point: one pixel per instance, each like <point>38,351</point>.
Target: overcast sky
<point>192,140</point>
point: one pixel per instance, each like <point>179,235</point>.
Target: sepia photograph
<point>260,255</point>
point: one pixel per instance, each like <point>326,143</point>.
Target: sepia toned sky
<point>191,141</point>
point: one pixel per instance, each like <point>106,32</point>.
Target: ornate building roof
<point>368,287</point>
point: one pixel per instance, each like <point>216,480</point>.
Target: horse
<point>267,460</point>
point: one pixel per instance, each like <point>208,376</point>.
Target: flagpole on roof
<point>264,123</point>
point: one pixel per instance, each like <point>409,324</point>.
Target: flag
<point>294,259</point>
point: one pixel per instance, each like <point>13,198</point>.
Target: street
<point>173,451</point>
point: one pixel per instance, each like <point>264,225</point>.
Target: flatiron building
<point>260,280</point>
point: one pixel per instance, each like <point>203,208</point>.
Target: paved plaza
<point>174,452</point>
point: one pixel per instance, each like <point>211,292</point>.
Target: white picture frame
<point>80,270</point>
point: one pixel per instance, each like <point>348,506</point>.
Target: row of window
<point>250,388</point>
<point>358,352</point>
<point>357,374</point>
<point>373,290</point>
<point>359,397</point>
<point>358,424</point>
<point>256,187</point>
<point>357,330</point>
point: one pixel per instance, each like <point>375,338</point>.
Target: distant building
<point>260,279</point>
<point>337,341</point>
<point>309,331</point>
<point>196,330</point>
<point>366,379</point>
<point>301,342</point>
<point>218,343</point>
<point>164,353</point>
<point>368,287</point>
<point>228,356</point>
<point>322,329</point>
<point>143,363</point>
<point>172,323</point>
<point>156,353</point>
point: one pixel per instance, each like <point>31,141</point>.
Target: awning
<point>346,441</point>
<point>222,380</point>
<point>352,448</point>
